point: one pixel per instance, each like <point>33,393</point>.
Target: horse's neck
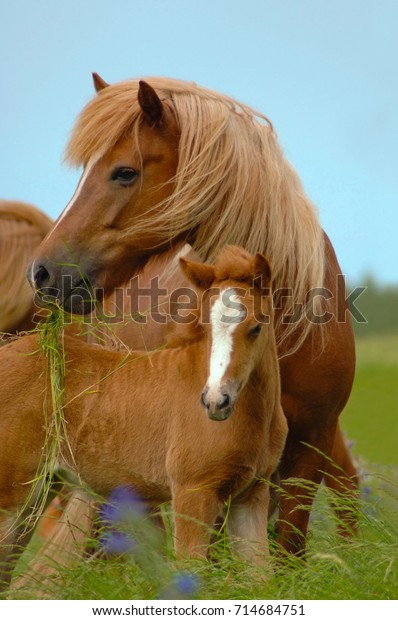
<point>184,335</point>
<point>164,265</point>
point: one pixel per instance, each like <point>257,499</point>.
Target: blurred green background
<point>370,418</point>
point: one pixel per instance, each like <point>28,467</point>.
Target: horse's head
<point>236,316</point>
<point>127,141</point>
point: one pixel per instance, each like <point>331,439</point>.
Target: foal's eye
<point>254,331</point>
<point>124,176</point>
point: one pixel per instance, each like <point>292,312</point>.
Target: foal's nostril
<point>224,402</point>
<point>203,401</point>
<point>40,277</point>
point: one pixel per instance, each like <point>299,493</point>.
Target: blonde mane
<point>22,228</point>
<point>232,186</point>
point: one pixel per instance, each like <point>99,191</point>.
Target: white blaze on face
<point>72,201</point>
<point>226,314</point>
<point>83,178</point>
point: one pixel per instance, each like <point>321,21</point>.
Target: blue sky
<point>324,72</point>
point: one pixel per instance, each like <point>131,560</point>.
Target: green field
<point>371,416</point>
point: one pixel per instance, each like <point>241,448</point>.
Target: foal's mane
<point>233,184</point>
<point>233,265</point>
<point>22,228</point>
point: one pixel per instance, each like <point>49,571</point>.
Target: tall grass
<point>364,567</point>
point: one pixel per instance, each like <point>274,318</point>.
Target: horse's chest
<point>227,462</point>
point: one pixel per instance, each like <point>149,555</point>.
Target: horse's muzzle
<point>61,284</point>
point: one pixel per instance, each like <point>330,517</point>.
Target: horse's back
<point>22,421</point>
<point>22,228</point>
<point>22,367</point>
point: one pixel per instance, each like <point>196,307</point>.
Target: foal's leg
<point>195,512</point>
<point>247,526</point>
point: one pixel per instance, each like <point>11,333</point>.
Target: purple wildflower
<point>123,504</point>
<point>186,583</point>
<point>123,508</point>
<point>366,491</point>
<point>117,543</point>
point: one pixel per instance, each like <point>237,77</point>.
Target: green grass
<point>365,567</point>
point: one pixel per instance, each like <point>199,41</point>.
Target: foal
<point>199,423</point>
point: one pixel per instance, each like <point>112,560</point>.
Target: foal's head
<point>236,319</point>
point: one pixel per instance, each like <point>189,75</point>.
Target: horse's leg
<point>195,513</point>
<point>303,463</point>
<point>247,526</point>
<point>308,455</point>
<point>8,536</point>
<point>16,530</point>
<point>341,476</point>
<point>316,384</point>
<point>67,544</point>
<point>15,535</point>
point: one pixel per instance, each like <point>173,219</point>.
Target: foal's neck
<point>265,378</point>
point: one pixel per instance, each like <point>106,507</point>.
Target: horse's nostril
<point>41,277</point>
<point>203,401</point>
<point>224,402</point>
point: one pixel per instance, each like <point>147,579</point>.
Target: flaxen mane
<point>233,184</point>
<point>22,228</point>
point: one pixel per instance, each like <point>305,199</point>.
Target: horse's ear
<point>200,274</point>
<point>99,83</point>
<point>150,104</point>
<point>261,272</point>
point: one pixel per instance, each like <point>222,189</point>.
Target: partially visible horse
<point>167,162</point>
<point>200,423</point>
<point>22,228</point>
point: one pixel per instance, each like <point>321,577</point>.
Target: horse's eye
<point>124,176</point>
<point>254,331</point>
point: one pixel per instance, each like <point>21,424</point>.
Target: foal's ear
<point>150,104</point>
<point>99,83</point>
<point>200,274</point>
<point>261,272</point>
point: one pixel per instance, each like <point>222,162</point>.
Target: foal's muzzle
<point>220,404</point>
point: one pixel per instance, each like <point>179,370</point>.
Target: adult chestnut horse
<point>167,162</point>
